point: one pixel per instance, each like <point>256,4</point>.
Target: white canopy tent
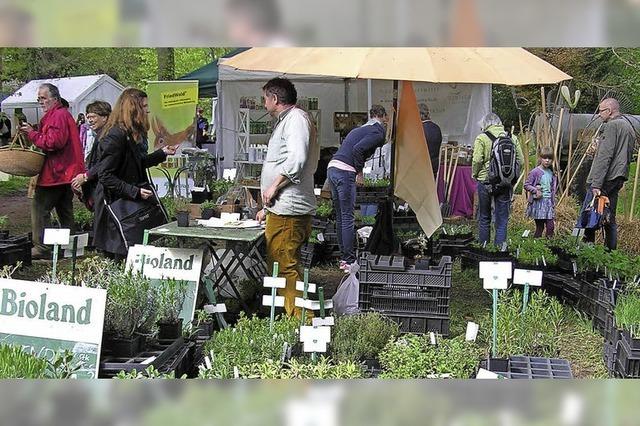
<point>78,91</point>
<point>455,107</point>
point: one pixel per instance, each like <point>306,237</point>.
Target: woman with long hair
<point>122,171</point>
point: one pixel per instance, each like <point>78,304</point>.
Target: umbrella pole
<point>394,124</point>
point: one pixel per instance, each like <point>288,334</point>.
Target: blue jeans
<point>502,204</point>
<point>343,194</point>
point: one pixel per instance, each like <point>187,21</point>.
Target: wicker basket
<point>20,161</point>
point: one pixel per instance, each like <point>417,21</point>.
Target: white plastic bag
<point>345,301</point>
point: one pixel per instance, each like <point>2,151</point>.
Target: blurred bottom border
<point>362,402</point>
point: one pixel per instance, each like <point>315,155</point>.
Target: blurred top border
<point>199,23</point>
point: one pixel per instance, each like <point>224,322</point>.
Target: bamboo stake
<point>570,147</point>
<point>556,159</point>
<point>635,187</point>
<point>566,190</point>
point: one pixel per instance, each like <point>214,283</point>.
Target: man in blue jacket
<point>345,171</point>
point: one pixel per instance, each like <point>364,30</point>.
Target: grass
<point>469,301</point>
<point>16,185</point>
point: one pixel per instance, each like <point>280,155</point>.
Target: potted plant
<point>130,305</point>
<point>171,294</point>
<point>208,209</point>
<point>203,324</point>
<point>627,317</point>
<point>181,207</point>
<point>218,188</point>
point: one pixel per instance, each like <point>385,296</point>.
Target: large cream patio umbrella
<point>413,179</point>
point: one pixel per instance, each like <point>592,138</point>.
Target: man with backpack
<point>497,161</point>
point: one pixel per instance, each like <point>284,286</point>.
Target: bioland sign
<point>162,263</point>
<point>48,318</point>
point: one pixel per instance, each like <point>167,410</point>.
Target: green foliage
<point>219,187</point>
<point>82,217</point>
<point>408,235</point>
<point>569,244</point>
<point>413,357</point>
<point>324,209</point>
<point>181,204</point>
<point>149,373</point>
<point>627,312</point>
<point>169,204</point>
<point>324,368</point>
<point>131,304</point>
<point>535,251</point>
<point>170,298</point>
<point>456,229</point>
<point>250,342</point>
<point>361,336</point>
<point>16,185</point>
<point>376,183</point>
<point>4,220</point>
<point>207,205</point>
<point>313,238</point>
<point>534,333</point>
<point>17,364</point>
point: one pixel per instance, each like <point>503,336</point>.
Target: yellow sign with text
<point>180,97</point>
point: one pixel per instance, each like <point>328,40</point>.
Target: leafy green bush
<point>361,336</point>
<point>250,342</point>
<point>270,369</point>
<point>535,251</point>
<point>3,222</point>
<point>131,304</point>
<point>219,187</point>
<point>170,298</point>
<point>82,217</point>
<point>17,364</point>
<point>627,313</point>
<point>324,209</point>
<point>207,205</point>
<point>414,357</point>
<point>376,183</point>
<point>534,333</point>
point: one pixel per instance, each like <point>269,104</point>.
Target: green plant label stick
<point>274,282</point>
<point>527,278</point>
<point>495,276</point>
<point>56,237</point>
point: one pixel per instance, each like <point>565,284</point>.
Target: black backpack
<point>504,168</point>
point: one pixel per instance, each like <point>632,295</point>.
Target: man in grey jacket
<point>610,168</point>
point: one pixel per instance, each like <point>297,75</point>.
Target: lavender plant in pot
<point>171,294</point>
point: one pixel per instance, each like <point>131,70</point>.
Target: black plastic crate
<point>164,356</point>
<point>524,367</point>
<point>420,324</point>
<point>12,253</point>
<point>609,357</point>
<point>308,255</point>
<point>410,291</point>
<point>627,360</point>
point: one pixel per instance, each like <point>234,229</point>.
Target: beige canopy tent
<point>508,66</point>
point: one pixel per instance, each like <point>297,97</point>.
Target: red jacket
<point>58,137</point>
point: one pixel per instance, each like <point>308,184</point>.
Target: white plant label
<point>472,332</point>
<point>275,282</point>
<point>496,270</point>
<point>524,276</point>
<point>233,217</point>
<point>219,308</point>
<point>320,237</point>
<point>317,191</point>
<point>56,236</point>
<point>577,232</point>
<point>300,302</point>
<point>83,241</point>
<point>268,300</point>
<point>432,338</point>
<point>314,305</point>
<point>526,233</point>
<point>326,321</point>
<point>486,374</point>
<point>315,339</point>
<point>311,288</point>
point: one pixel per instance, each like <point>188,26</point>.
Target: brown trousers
<point>284,236</point>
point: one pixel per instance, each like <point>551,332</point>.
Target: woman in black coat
<point>122,171</point>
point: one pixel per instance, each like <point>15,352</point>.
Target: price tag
<point>524,276</point>
<point>472,332</point>
<point>56,236</point>
<point>276,282</point>
<point>320,237</point>
<point>317,191</point>
<point>496,270</point>
<point>278,301</point>
<point>326,321</point>
<point>214,309</point>
<point>315,339</point>
<point>311,288</point>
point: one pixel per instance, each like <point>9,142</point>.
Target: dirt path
<point>17,208</point>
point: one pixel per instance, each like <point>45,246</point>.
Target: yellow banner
<point>181,97</point>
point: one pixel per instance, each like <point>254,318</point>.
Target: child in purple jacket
<point>542,184</point>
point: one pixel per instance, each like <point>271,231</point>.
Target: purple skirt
<point>542,208</point>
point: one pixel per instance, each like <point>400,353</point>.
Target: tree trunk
<point>166,63</point>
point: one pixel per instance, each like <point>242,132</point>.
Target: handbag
<point>133,217</point>
<point>596,214</point>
